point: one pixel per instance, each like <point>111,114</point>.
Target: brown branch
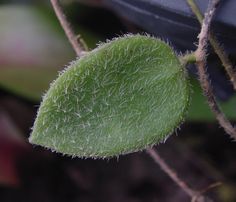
<point>171,173</point>
<point>203,76</point>
<point>216,46</point>
<point>78,47</point>
<point>195,195</point>
<point>211,186</point>
<point>224,59</point>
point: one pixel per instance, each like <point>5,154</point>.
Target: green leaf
<point>124,96</point>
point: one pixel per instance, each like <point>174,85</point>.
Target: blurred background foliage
<point>33,49</point>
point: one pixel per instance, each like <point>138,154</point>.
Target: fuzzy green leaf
<point>124,96</point>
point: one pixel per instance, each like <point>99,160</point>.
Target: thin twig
<point>78,47</point>
<point>211,186</point>
<point>199,196</point>
<point>216,45</point>
<point>195,195</point>
<point>171,173</point>
<point>203,76</point>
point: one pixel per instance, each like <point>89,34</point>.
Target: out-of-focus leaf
<point>32,50</point>
<point>199,109</point>
<point>27,82</point>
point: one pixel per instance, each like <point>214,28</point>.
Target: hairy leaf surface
<point>124,96</point>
